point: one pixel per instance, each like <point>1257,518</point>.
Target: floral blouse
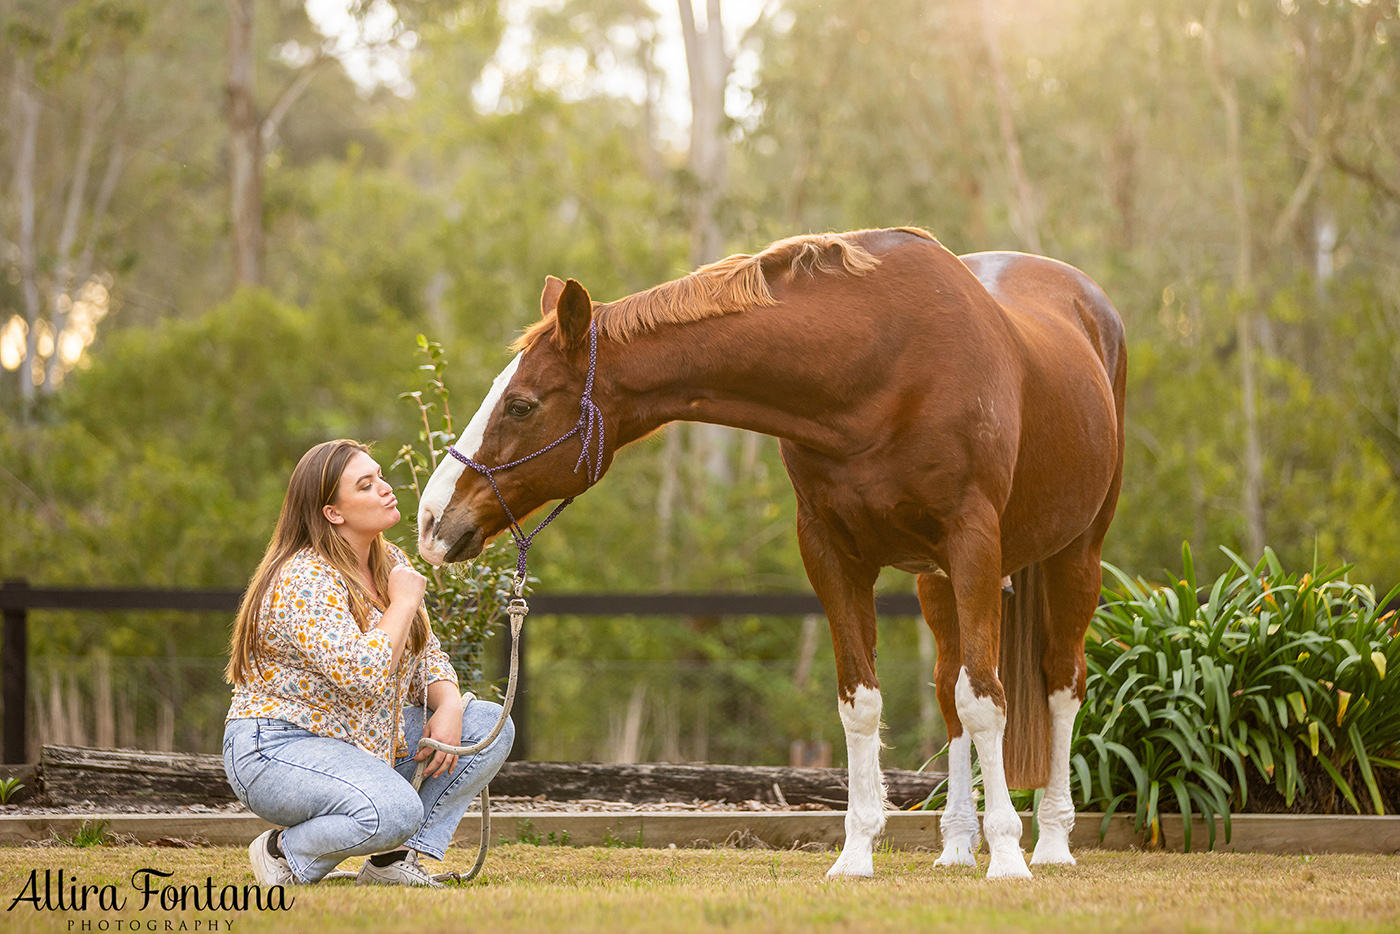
<point>322,673</point>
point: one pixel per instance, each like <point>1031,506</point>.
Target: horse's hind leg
<point>1072,580</point>
<point>847,593</point>
<point>974,567</point>
<point>959,822</point>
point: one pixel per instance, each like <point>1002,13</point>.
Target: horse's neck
<point>728,371</point>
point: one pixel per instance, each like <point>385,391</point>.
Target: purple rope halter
<point>590,430</point>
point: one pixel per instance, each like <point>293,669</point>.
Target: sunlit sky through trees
<point>562,70</point>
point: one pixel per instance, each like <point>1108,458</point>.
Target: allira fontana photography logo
<point>148,890</point>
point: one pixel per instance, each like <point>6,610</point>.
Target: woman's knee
<point>506,740</point>
<point>479,725</point>
<point>391,815</point>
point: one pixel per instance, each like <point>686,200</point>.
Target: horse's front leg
<point>846,589</point>
<point>974,558</point>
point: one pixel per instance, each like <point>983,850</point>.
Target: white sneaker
<point>269,869</point>
<point>407,871</point>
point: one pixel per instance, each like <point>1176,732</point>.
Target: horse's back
<point>1038,287</point>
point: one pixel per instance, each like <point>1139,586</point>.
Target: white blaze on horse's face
<point>437,495</point>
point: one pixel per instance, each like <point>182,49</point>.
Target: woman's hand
<point>406,586</point>
<point>445,726</point>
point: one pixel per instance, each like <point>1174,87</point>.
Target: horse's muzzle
<point>467,546</point>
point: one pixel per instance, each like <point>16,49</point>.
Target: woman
<point>334,666</point>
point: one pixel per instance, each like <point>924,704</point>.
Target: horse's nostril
<point>428,525</point>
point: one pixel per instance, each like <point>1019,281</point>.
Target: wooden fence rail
<point>17,598</point>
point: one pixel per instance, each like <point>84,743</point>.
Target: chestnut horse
<point>960,418</point>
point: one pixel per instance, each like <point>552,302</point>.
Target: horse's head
<point>532,403</point>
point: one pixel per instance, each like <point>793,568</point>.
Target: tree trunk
<point>105,727</point>
<point>1123,150</point>
<point>928,703</point>
<point>245,148</point>
<point>126,720</point>
<point>77,727</point>
<point>1244,287</point>
<point>806,650</point>
<point>71,273</point>
<point>712,447</point>
<point>708,67</point>
<point>1253,453</point>
<point>165,725</point>
<point>72,214</point>
<point>1023,209</point>
<point>58,722</point>
<point>668,491</point>
<point>651,75</point>
<point>627,732</point>
<point>27,110</point>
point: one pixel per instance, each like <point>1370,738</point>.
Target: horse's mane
<point>732,284</point>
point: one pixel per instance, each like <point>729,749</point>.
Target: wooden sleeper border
<point>905,830</point>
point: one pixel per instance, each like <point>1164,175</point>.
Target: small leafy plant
<point>90,833</point>
<point>525,833</point>
<point>8,788</point>
<point>465,602</point>
<point>614,841</point>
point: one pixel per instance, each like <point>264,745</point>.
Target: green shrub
<point>465,601</point>
<point>1274,674</point>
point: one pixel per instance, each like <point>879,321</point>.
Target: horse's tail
<point>1024,623</point>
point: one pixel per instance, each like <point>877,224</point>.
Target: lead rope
<point>589,428</point>
<point>517,608</point>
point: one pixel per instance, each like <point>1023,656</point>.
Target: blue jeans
<point>336,800</point>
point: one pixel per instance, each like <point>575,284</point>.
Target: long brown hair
<point>315,484</point>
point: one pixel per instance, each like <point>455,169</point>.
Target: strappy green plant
<point>1273,673</point>
<point>8,788</point>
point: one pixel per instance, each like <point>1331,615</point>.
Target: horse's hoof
<point>957,855</point>
<point>1052,853</point>
<point>1008,866</point>
<point>852,865</point>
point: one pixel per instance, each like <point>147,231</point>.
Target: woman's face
<point>365,504</point>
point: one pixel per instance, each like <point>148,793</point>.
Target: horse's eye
<point>520,407</point>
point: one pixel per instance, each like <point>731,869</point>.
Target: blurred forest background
<point>224,222</point>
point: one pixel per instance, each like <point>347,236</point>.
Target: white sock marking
<point>1000,823</point>
<point>865,808</point>
<point>1056,815</point>
<point>959,823</point>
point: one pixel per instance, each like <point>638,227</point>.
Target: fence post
<point>15,665</point>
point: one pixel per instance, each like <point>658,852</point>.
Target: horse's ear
<point>575,311</point>
<point>553,285</point>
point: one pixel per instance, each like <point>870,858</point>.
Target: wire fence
<point>742,712</point>
<point>139,702</point>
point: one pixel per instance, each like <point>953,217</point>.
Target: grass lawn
<point>555,889</point>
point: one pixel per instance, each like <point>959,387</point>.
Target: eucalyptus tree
<point>68,83</point>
